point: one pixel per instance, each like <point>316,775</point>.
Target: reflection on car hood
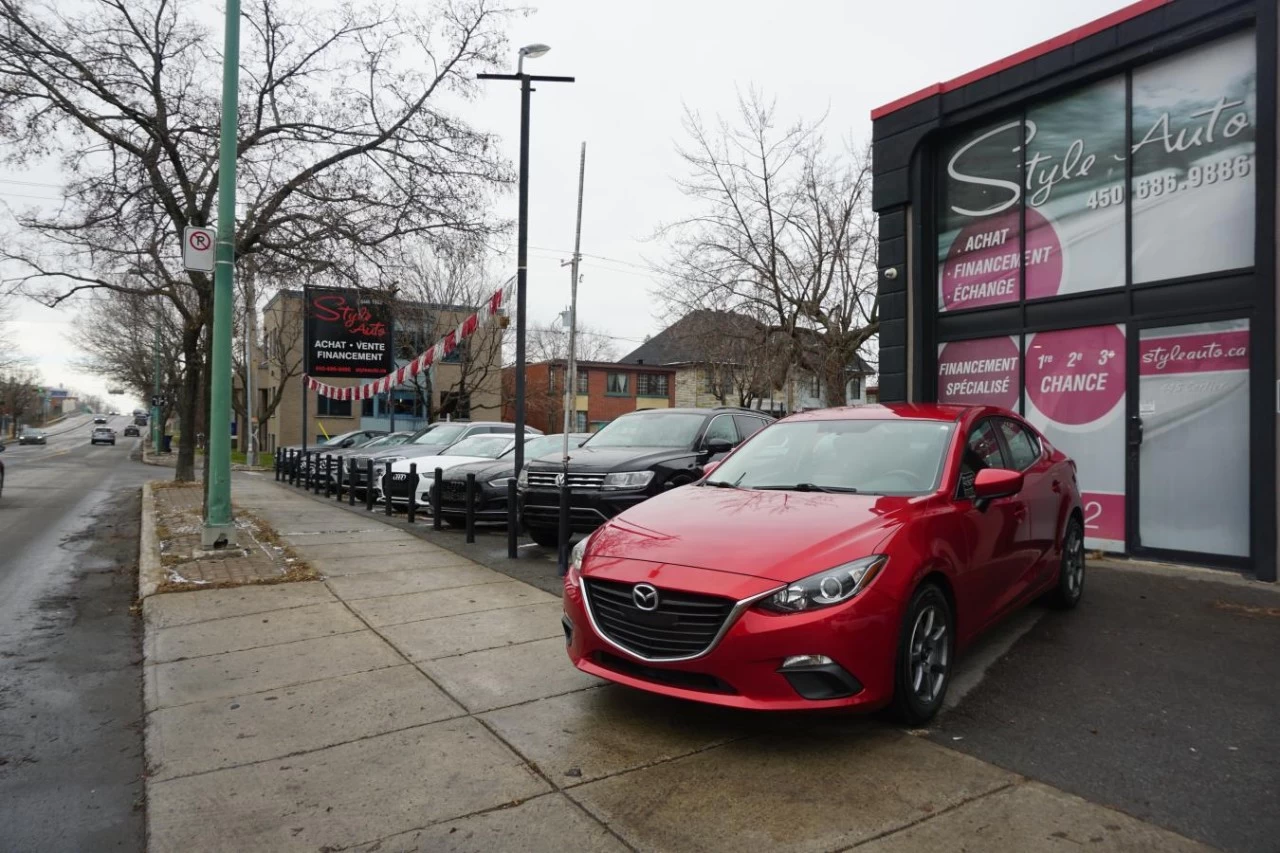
<point>428,464</point>
<point>485,471</point>
<point>607,459</point>
<point>783,536</point>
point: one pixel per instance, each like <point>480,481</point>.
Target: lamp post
<point>219,528</point>
<point>533,51</point>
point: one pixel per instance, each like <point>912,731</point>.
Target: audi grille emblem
<point>560,480</point>
<point>645,596</point>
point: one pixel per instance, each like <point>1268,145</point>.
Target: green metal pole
<point>219,529</point>
<point>155,383</point>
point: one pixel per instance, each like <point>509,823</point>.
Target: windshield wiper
<point>722,484</point>
<point>810,487</point>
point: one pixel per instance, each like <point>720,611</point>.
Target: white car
<point>477,448</point>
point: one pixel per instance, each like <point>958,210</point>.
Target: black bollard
<point>437,497</point>
<point>315,474</point>
<point>413,492</point>
<point>328,475</point>
<point>277,454</point>
<point>471,508</point>
<point>368,485</point>
<point>351,486</point>
<point>386,488</point>
<point>338,489</point>
<point>562,537</point>
<point>288,467</point>
<point>513,519</point>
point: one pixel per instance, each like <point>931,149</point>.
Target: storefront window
<point>1075,192</point>
<point>985,371</point>
<point>1075,395</point>
<point>979,220</point>
<point>1194,117</point>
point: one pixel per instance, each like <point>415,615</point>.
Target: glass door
<point>1191,439</point>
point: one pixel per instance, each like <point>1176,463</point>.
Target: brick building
<point>605,391</point>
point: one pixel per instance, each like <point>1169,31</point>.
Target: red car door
<point>1042,495</point>
<point>1002,551</point>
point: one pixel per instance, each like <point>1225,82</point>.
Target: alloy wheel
<point>930,654</point>
<point>1073,562</point>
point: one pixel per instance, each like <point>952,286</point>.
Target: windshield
<point>486,446</point>
<point>541,446</point>
<point>897,457</point>
<point>440,434</point>
<point>666,429</point>
<point>388,440</point>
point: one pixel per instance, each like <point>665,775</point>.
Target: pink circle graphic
<point>979,372</point>
<point>1076,376</point>
<point>983,263</point>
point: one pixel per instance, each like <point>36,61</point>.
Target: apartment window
<point>327,407</point>
<point>366,408</point>
<point>582,381</point>
<point>651,384</point>
<point>815,387</point>
<point>617,384</point>
<point>551,378</point>
<point>579,421</point>
<point>708,382</point>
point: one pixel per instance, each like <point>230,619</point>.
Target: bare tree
<point>345,149</point>
<point>19,395</point>
<point>551,343</point>
<point>10,356</point>
<point>133,338</point>
<point>783,232</point>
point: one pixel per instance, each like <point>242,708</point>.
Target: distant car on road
<point>131,430</point>
<point>99,419</point>
<point>103,435</point>
<point>140,420</point>
<point>33,436</point>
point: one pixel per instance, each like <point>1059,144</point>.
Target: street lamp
<point>533,51</point>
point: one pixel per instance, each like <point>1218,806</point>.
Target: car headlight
<point>824,589</point>
<point>522,482</point>
<point>575,561</point>
<point>500,483</point>
<point>627,480</point>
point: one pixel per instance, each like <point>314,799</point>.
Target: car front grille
<point>547,480</point>
<point>683,625</point>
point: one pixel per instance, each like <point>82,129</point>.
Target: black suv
<point>631,459</point>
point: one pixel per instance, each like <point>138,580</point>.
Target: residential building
<point>466,385</point>
<point>605,390</point>
<point>722,358</point>
<point>1085,232</point>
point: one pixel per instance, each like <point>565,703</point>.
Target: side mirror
<point>719,445</point>
<point>992,483</point>
<point>709,467</point>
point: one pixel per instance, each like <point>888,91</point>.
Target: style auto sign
<point>347,335</point>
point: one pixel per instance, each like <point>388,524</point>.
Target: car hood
<point>607,459</point>
<point>486,470</point>
<point>428,464</point>
<point>782,536</point>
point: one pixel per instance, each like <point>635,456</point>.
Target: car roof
<point>689,410</point>
<point>945,412</point>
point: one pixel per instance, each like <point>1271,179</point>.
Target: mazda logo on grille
<point>645,596</point>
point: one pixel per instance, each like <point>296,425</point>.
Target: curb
<point>150,572</point>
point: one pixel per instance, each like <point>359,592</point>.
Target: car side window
<point>1023,448</point>
<point>982,450</point>
<point>748,425</point>
<point>721,427</point>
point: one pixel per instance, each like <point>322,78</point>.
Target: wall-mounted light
<point>891,273</point>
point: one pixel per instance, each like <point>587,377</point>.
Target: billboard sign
<point>348,334</point>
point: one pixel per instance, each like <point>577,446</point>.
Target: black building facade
<point>1085,232</point>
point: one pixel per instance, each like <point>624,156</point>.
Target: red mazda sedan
<point>839,558</point>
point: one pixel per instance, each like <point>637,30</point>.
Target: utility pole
<point>219,527</point>
<point>571,371</point>
<point>250,433</point>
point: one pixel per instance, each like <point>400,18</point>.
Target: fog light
<point>806,660</point>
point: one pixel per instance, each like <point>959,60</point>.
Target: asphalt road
<point>1158,696</point>
<point>71,758</point>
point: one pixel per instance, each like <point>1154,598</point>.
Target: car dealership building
<point>1086,232</point>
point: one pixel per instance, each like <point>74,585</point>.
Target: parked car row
<point>839,558</point>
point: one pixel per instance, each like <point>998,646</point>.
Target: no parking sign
<point>197,248</point>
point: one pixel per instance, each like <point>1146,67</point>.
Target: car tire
<point>926,650</point>
<point>1066,595</point>
<point>455,523</point>
<point>547,537</point>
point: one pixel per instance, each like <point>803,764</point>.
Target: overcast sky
<point>637,64</point>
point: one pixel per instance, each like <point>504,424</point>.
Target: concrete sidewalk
<point>414,700</point>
